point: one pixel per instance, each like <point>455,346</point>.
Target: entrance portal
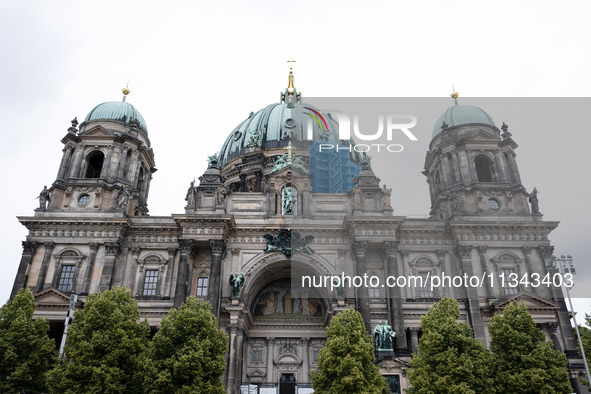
<point>287,384</point>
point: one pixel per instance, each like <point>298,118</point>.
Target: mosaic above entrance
<point>277,300</point>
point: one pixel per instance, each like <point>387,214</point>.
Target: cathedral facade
<point>271,210</point>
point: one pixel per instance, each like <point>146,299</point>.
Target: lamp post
<point>565,266</point>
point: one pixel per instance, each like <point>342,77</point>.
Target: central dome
<point>276,125</point>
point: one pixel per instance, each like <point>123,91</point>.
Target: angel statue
<point>236,281</point>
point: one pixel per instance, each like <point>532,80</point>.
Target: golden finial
<point>125,91</point>
<point>290,84</point>
<point>454,95</point>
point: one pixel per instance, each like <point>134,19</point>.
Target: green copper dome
<point>276,125</point>
<point>117,110</point>
<point>462,115</point>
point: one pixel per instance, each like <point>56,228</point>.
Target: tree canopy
<point>187,353</point>
<point>25,348</point>
<point>449,360</point>
<point>523,360</point>
<point>105,349</point>
<point>345,363</point>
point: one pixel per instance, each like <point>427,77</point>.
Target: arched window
<point>94,164</point>
<point>483,168</point>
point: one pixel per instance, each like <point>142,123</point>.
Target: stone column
<point>62,173</point>
<point>529,268</point>
<point>232,330</point>
<point>44,265</point>
<point>305,360</point>
<point>180,294</point>
<point>510,156</point>
<point>484,267</point>
<point>111,251</point>
<point>359,249</point>
<point>239,358</point>
<point>169,272</point>
<point>29,249</point>
<point>105,169</point>
<point>122,163</point>
<point>394,297</point>
<point>465,168</point>
<point>213,295</point>
<point>455,165</point>
<point>472,166</point>
<point>414,339</point>
<point>114,164</point>
<point>76,169</point>
<point>446,178</point>
<point>91,259</point>
<point>464,255</point>
<point>500,170</point>
<point>270,356</point>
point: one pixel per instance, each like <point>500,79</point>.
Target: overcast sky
<point>197,69</point>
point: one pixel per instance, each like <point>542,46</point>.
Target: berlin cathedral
<point>272,207</point>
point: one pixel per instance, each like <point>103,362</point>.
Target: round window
<point>494,204</point>
<point>237,135</point>
<point>290,123</point>
<point>84,199</point>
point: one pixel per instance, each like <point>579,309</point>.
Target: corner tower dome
<point>458,115</point>
<point>118,110</point>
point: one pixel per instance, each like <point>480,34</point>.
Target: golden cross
<point>291,61</point>
<point>288,148</point>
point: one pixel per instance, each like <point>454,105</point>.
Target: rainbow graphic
<point>316,115</point>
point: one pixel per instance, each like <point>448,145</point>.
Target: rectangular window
<point>202,287</point>
<point>511,282</point>
<point>64,282</point>
<point>425,283</point>
<point>150,282</point>
<point>374,292</point>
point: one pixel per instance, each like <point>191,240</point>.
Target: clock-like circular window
<point>290,123</point>
<point>494,204</point>
<point>84,199</point>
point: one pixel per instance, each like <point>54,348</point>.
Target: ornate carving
<point>288,242</point>
<point>288,347</point>
<point>482,250</point>
<point>49,246</point>
<point>464,251</point>
<point>135,251</point>
<point>359,248</point>
<point>93,246</point>
<point>546,252</point>
<point>112,248</point>
<point>235,252</point>
<point>404,253</point>
<point>218,246</point>
<point>30,247</point>
<point>186,245</point>
<point>171,251</point>
<point>441,254</point>
<point>390,249</point>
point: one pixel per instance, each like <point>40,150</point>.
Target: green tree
<point>524,362</point>
<point>105,349</point>
<point>187,353</point>
<point>586,339</point>
<point>25,348</point>
<point>449,360</point>
<point>345,363</point>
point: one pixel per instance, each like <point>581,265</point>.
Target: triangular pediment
<point>481,136</point>
<point>531,301</point>
<point>295,172</point>
<point>98,131</point>
<point>52,297</point>
<point>257,373</point>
